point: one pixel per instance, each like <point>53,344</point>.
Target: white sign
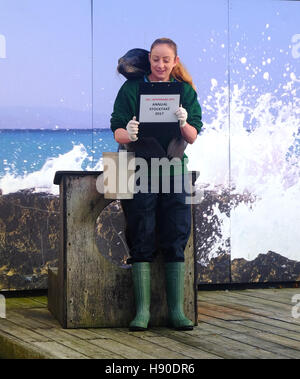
<point>158,108</point>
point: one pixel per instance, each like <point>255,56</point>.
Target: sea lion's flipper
<point>176,147</point>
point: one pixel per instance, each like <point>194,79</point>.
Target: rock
<point>29,239</point>
<point>218,267</point>
<point>270,267</point>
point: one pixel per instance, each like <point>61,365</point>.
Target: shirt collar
<point>146,79</point>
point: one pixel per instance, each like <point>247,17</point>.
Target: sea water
<point>29,158</point>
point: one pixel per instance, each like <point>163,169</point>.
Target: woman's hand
<point>133,129</point>
<point>182,116</point>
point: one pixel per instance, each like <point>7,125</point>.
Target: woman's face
<point>162,60</point>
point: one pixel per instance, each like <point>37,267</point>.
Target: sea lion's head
<point>134,64</point>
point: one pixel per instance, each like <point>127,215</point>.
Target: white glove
<point>182,116</point>
<point>133,129</point>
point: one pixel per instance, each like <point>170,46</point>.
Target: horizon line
<point>52,130</point>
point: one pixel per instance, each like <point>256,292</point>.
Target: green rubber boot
<point>141,284</point>
<point>175,296</point>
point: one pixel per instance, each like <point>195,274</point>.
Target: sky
<point>48,66</point>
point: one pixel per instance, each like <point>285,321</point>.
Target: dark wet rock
<point>215,265</point>
<point>270,267</point>
<point>216,271</point>
<point>29,239</point>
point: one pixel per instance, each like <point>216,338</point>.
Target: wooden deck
<point>251,323</point>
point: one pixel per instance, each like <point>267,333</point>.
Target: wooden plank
<point>291,289</point>
<point>121,349</point>
<point>289,340</point>
<point>178,348</point>
<point>23,334</point>
<point>274,310</point>
<point>255,329</point>
<point>261,341</point>
<point>265,301</point>
<point>41,315</point>
<point>98,292</point>
<point>58,350</point>
<point>18,318</point>
<point>14,348</point>
<point>254,316</point>
<point>238,331</point>
<point>241,304</point>
<point>221,346</point>
<point>275,295</point>
<point>226,312</point>
<point>262,319</point>
<point>198,330</point>
<point>85,334</point>
<point>280,309</point>
<point>253,312</point>
<point>77,344</point>
<point>187,351</point>
<point>23,302</point>
<point>270,328</point>
<point>205,310</point>
<point>135,340</point>
<point>40,299</point>
<point>225,299</point>
<point>165,337</point>
<point>236,346</point>
<point>217,326</point>
<point>277,334</point>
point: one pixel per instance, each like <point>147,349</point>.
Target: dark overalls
<point>158,221</point>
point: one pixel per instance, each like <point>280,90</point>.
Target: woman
<point>166,215</point>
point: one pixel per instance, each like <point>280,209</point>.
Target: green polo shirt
<point>126,107</point>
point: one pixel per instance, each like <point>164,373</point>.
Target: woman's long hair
<point>179,72</point>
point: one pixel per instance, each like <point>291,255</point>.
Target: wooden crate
<point>88,290</point>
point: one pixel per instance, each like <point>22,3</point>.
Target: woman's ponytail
<point>180,73</point>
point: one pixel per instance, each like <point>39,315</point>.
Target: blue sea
<point>26,151</point>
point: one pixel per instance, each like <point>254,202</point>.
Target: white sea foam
<point>263,161</point>
<point>42,180</point>
<point>220,238</point>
